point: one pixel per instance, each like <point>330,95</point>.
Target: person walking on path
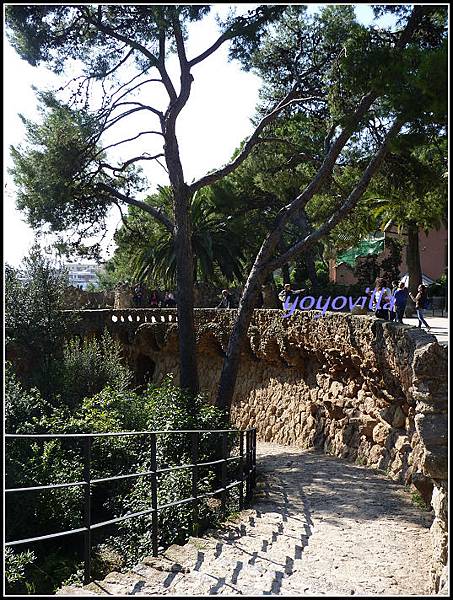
<point>421,300</point>
<point>401,295</point>
<point>287,294</point>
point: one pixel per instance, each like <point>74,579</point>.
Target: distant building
<point>82,274</point>
<point>433,255</point>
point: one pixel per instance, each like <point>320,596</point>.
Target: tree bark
<point>285,274</point>
<point>301,219</point>
<point>184,267</point>
<point>413,261</point>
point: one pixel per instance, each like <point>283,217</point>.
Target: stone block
<point>399,418</point>
<point>380,433</point>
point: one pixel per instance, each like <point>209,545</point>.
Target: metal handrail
<point>247,475</point>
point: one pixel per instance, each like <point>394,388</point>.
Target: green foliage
<point>22,407</point>
<point>53,172</point>
<point>34,322</point>
<point>146,250</point>
<point>113,409</point>
<point>89,365</point>
<point>16,570</point>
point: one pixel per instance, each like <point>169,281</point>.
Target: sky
<point>212,124</point>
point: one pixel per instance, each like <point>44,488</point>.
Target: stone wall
<point>75,299</point>
<point>360,388</point>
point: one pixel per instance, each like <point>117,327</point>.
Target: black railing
<point>246,474</point>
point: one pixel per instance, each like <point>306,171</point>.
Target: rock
<point>380,433</point>
<point>399,418</point>
<point>402,443</point>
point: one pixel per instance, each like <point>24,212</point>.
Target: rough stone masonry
<point>359,388</point>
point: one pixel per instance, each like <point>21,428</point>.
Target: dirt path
<point>319,526</point>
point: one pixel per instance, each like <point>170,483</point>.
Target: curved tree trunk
<point>263,264</point>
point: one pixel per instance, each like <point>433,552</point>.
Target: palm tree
<point>217,251</point>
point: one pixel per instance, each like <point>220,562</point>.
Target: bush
<point>164,407</point>
<point>88,366</point>
<point>17,571</point>
<point>34,322</point>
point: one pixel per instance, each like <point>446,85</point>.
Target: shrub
<point>17,571</point>
<point>34,323</point>
<point>88,366</point>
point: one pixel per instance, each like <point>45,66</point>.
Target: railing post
<point>224,470</point>
<point>241,470</point>
<point>194,454</point>
<point>87,509</point>
<point>247,464</point>
<point>154,515</point>
<point>254,460</point>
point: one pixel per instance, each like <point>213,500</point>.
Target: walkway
<point>439,326</point>
<point>320,526</point>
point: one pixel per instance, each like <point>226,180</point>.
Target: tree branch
<point>163,71</point>
<point>122,38</point>
<point>249,144</point>
<point>127,140</point>
<point>223,38</point>
<point>157,213</point>
<point>347,205</point>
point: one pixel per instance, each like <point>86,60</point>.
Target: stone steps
<point>310,532</point>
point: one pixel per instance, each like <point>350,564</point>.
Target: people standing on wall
<point>421,302</point>
<point>153,299</point>
<point>169,300</point>
<point>226,300</point>
<point>137,296</point>
<point>287,294</point>
<point>401,295</point>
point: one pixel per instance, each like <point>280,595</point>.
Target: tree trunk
<point>184,267</point>
<point>301,219</point>
<point>231,362</point>
<point>285,274</point>
<point>263,264</point>
<point>413,258</point>
<point>185,292</point>
<point>413,265</point>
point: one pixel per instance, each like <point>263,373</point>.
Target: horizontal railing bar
<point>46,487</point>
<point>123,518</point>
<point>223,489</point>
<point>178,503</point>
<point>116,477</point>
<point>115,434</point>
<point>46,537</point>
<point>191,466</point>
